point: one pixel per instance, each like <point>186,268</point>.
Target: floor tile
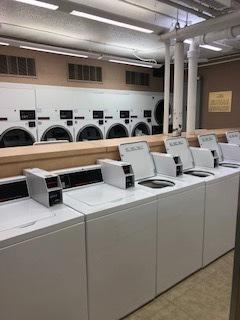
<point>203,296</point>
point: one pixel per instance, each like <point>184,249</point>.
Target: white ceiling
<point>59,28</point>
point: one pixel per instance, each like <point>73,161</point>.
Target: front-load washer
<point>120,238</point>
<point>42,256</point>
<point>17,117</point>
<point>233,137</point>
<point>221,197</point>
<point>228,154</point>
<point>88,124</point>
<point>180,216</point>
<point>119,127</point>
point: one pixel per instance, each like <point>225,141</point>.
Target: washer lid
<point>209,141</point>
<point>138,155</point>
<point>179,147</point>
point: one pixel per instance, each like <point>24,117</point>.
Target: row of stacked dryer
<point>40,113</point>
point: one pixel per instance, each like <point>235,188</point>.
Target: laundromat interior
<point>119,160</point>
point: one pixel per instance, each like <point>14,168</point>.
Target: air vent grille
<point>137,78</point>
<point>84,72</point>
<point>19,66</point>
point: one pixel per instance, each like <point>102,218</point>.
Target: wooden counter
<point>59,156</point>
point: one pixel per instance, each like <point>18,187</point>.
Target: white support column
<point>166,88</point>
<point>178,85</point>
<point>193,55</point>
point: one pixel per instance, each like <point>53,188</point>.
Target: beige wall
<point>221,77</point>
<point>52,70</point>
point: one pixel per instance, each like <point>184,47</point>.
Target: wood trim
<point>67,155</point>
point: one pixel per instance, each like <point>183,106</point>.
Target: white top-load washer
<point>17,117</point>
<point>221,198</point>
<point>120,239</point>
<point>180,216</point>
<point>233,137</point>
<point>228,153</point>
<point>42,255</point>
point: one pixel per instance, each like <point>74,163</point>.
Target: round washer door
<point>159,112</point>
<point>57,133</point>
<point>88,133</point>
<point>117,131</point>
<point>16,137</point>
<point>141,129</point>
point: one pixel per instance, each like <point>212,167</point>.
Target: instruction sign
<point>220,101</point>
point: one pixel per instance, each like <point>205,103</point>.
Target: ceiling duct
<point>213,25</point>
<point>218,4</point>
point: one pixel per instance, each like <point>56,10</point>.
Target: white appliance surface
<point>121,247</point>
<point>209,141</point>
<point>180,217</point>
<point>233,137</point>
<point>20,220</point>
<point>42,261</point>
<point>221,201</point>
<point>101,199</point>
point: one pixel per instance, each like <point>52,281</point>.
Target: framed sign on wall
<point>220,101</point>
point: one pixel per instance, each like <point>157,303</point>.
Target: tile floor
<point>203,296</point>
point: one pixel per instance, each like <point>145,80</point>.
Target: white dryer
<point>221,197</point>
<point>55,123</point>
<point>42,256</point>
<point>141,123</point>
<point>120,238</point>
<point>17,117</point>
<point>118,127</point>
<point>88,124</point>
<point>55,113</point>
<point>233,137</point>
<point>180,216</point>
<point>158,113</point>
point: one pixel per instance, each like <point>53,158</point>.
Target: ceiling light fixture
<point>205,46</point>
<point>188,41</point>
<point>132,63</point>
<point>40,4</point>
<point>4,44</point>
<point>213,48</point>
<point>55,51</point>
<point>109,21</point>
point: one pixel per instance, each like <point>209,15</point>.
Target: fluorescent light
<point>109,21</point>
<point>207,46</point>
<point>132,63</point>
<point>40,4</point>
<point>56,52</point>
<point>4,44</point>
<point>188,41</point>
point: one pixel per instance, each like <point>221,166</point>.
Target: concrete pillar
<point>178,85</point>
<point>166,88</point>
<point>193,55</point>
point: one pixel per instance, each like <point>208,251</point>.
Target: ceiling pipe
<point>217,24</point>
<point>202,7</point>
<point>136,5</point>
<point>184,8</point>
